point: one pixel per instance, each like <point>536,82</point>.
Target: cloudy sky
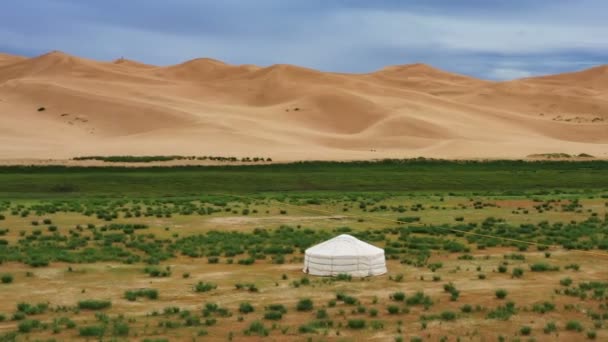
<point>493,39</point>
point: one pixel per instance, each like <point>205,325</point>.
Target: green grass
<point>404,175</point>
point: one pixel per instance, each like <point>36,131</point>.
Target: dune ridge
<point>60,106</point>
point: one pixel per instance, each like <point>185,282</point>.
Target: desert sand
<point>60,106</point>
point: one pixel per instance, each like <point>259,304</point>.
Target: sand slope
<point>61,106</point>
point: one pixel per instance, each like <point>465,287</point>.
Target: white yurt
<point>344,254</point>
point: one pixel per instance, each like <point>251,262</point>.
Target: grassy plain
<point>208,240</point>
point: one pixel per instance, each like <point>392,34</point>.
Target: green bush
<point>30,309</point>
<point>273,315</point>
<point>408,219</point>
<point>93,304</point>
<point>322,314</point>
<point>356,324</point>
<point>550,327</point>
<point>377,325</point>
<point>466,308</point>
<point>246,261</point>
<point>565,281</point>
<point>120,329</point>
<point>343,277</point>
<point>257,328</point>
<point>204,287</point>
<point>503,312</point>
<point>28,325</point>
<point>304,305</point>
<point>448,316</point>
<point>132,295</point>
<point>6,278</point>
<point>525,330</point>
<point>92,331</point>
<point>574,267</point>
<point>543,307</point>
<point>276,307</point>
<point>307,329</point>
<point>543,267</point>
<point>393,309</point>
<point>398,296</point>
<point>518,272</point>
<point>574,326</point>
<point>501,293</point>
<point>246,308</point>
<point>419,298</point>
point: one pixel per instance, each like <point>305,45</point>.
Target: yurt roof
<point>344,245</point>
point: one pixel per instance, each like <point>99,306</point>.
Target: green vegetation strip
<point>390,175</point>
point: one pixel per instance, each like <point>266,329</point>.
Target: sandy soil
<point>207,107</point>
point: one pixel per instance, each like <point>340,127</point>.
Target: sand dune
<point>60,106</point>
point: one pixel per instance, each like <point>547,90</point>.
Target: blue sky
<point>493,39</point>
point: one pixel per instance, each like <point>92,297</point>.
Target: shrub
<point>92,304</point>
<point>503,312</point>
<point>543,267</point>
<point>448,316</point>
<point>398,296</point>
<point>246,308</point>
<point>393,309</point>
<point>92,331</point>
<point>377,325</point>
<point>157,272</point>
<point>566,281</point>
<point>29,309</point>
<point>304,305</point>
<point>277,307</point>
<point>322,314</point>
<point>525,330</point>
<point>543,307</point>
<point>344,277</point>
<point>247,261</point>
<point>550,327</point>
<point>120,329</point>
<point>501,293</point>
<point>592,335</point>
<point>518,272</point>
<point>18,316</point>
<point>28,325</point>
<point>204,287</point>
<point>307,329</point>
<point>132,295</point>
<point>273,315</point>
<point>6,278</point>
<point>502,268</point>
<point>408,219</point>
<point>419,298</point>
<point>356,324</point>
<point>574,267</point>
<point>466,308</point>
<point>574,326</point>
